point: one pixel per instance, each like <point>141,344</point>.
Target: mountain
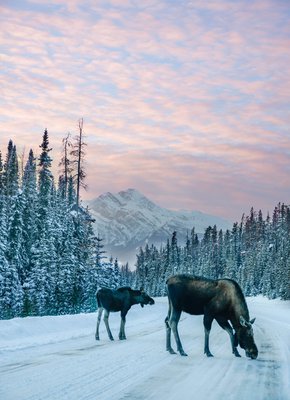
<point>128,220</point>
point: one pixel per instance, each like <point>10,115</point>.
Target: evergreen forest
<point>51,261</point>
<point>255,253</point>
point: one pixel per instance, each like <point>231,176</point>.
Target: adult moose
<point>122,300</point>
<point>220,299</point>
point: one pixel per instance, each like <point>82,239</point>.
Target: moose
<point>121,299</point>
<point>220,299</point>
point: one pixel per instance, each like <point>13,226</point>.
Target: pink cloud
<point>161,89</point>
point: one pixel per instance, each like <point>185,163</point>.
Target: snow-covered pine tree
<point>281,277</point>
<point>187,263</point>
<point>10,173</point>
<point>125,275</point>
<point>11,293</point>
<point>1,176</point>
<point>174,254</point>
<point>45,179</point>
<point>194,244</point>
<point>221,261</point>
<point>41,284</point>
<point>99,253</point>
<point>237,253</point>
<point>29,188</point>
<point>67,269</point>
<point>140,268</point>
<point>71,194</point>
<point>86,277</point>
<point>147,268</point>
<point>107,274</point>
<point>116,278</point>
<point>205,267</point>
<point>214,254</point>
<point>151,269</point>
<point>165,269</point>
<point>16,250</point>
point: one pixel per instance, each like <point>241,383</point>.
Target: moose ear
<point>253,320</point>
<point>141,289</point>
<point>243,322</point>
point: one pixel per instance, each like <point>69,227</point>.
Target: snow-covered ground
<point>58,358</point>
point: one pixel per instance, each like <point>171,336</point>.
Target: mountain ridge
<point>127,220</point>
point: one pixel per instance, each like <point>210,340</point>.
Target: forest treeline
<point>49,257</point>
<point>51,261</point>
<point>255,252</point>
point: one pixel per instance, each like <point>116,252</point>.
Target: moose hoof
<point>236,353</point>
<point>171,351</point>
<point>208,354</point>
<point>182,353</point>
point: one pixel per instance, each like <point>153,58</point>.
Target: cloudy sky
<point>186,101</point>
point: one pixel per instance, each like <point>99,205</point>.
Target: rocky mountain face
<point>128,220</point>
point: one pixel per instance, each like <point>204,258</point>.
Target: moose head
<point>245,337</point>
<point>144,298</point>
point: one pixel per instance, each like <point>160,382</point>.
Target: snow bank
<point>19,333</point>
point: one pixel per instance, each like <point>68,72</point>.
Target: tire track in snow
<point>65,381</point>
<point>223,376</point>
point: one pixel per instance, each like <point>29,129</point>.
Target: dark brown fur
<point>220,299</point>
<point>121,300</point>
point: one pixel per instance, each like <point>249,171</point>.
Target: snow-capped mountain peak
<point>128,219</point>
<point>130,199</point>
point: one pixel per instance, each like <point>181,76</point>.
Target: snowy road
<point>57,358</point>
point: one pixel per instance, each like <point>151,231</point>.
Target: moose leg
<point>207,321</point>
<point>173,322</point>
<point>106,320</point>
<point>98,322</point>
<point>168,332</point>
<point>122,335</point>
<point>227,327</point>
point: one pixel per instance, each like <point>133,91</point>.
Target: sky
<point>185,101</point>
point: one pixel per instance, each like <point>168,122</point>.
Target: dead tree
<point>65,164</point>
<point>78,154</point>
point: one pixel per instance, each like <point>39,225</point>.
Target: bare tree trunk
<point>78,158</point>
<point>81,124</point>
<point>65,163</point>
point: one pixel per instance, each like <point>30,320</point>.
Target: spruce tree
<point>11,292</point>
<point>71,194</point>
<point>10,174</point>
<point>1,176</point>
<point>174,254</point>
<point>45,180</point>
<point>30,208</point>
<point>116,275</point>
<point>67,269</point>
